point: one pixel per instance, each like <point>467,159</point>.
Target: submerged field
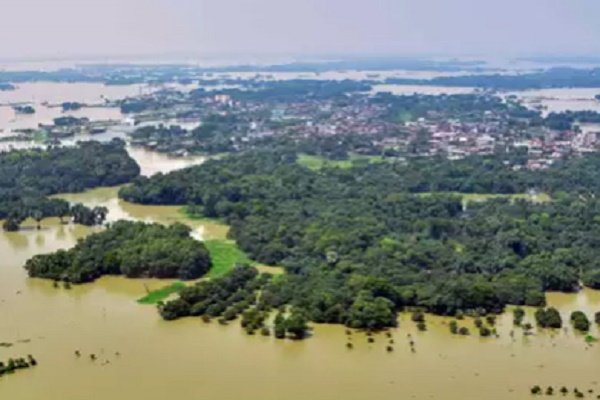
<point>187,358</point>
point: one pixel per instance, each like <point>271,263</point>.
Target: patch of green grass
<point>535,198</point>
<point>225,254</point>
<point>40,136</point>
<point>195,213</point>
<point>311,162</point>
<point>589,339</point>
<point>161,294</point>
<point>403,116</point>
<point>478,197</point>
<point>317,162</point>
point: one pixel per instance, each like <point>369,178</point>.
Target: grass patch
<point>317,162</point>
<point>535,198</point>
<point>403,116</point>
<point>225,254</point>
<point>478,197</point>
<point>40,136</point>
<point>589,339</point>
<point>161,294</point>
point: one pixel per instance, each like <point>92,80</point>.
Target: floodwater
<point>151,162</point>
<point>46,96</point>
<point>141,356</point>
<point>563,99</point>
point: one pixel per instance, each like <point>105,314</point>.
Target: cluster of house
<point>542,146</point>
<point>452,138</point>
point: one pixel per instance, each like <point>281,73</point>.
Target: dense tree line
<point>548,318</point>
<point>133,249</point>
<point>71,106</point>
<point>69,121</point>
<point>28,176</point>
<point>14,364</point>
<point>580,321</point>
<point>361,243</point>
<point>239,293</point>
<point>467,107</point>
<point>565,120</point>
<point>5,87</point>
<point>41,207</point>
<point>297,90</point>
<point>26,109</point>
<point>227,296</point>
<point>551,78</point>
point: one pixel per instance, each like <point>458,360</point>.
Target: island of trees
<point>14,364</point>
<point>27,177</point>
<point>5,87</point>
<point>361,243</point>
<point>71,106</point>
<point>26,109</point>
<point>551,78</point>
<point>133,249</point>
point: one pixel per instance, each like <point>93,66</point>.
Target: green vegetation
<point>552,78</point>
<point>518,315</point>
<point>227,296</point>
<point>5,87</point>
<point>133,249</point>
<point>156,296</point>
<point>580,321</point>
<point>589,339</point>
<point>441,108</point>
<point>484,331</point>
<point>15,364</point>
<point>479,197</point>
<point>69,121</point>
<point>591,278</point>
<point>548,318</point>
<point>225,255</point>
<point>318,162</point>
<point>24,109</point>
<point>71,106</point>
<point>28,176</point>
<point>295,324</point>
<point>358,245</point>
<point>297,90</point>
<point>453,327</point>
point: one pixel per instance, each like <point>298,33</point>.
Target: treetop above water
<point>358,238</point>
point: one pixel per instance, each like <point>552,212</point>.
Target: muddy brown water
<point>139,356</point>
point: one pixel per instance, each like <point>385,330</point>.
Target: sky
<point>89,28</point>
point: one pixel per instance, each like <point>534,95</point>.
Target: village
<point>204,121</point>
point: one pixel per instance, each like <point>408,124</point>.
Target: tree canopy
<point>133,249</point>
<point>28,176</point>
<point>361,243</point>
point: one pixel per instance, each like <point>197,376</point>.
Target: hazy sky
<point>64,28</point>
